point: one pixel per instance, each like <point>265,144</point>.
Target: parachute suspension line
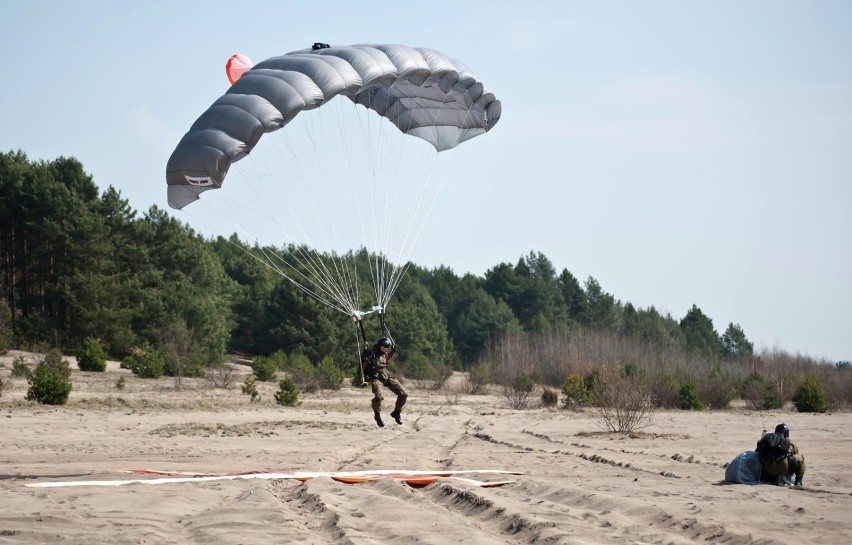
<point>347,275</point>
<point>414,229</point>
<point>379,220</point>
<point>425,226</point>
<point>386,276</point>
<point>267,262</point>
<point>268,259</point>
<point>326,283</point>
<point>311,261</point>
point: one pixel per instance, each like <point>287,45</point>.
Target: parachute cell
<point>421,91</point>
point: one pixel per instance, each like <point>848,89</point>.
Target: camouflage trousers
<point>776,471</point>
<point>394,386</point>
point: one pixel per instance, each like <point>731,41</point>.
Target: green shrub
<point>54,360</point>
<point>91,356</point>
<point>417,367</point>
<point>264,368</point>
<point>771,399</point>
<point>688,399</point>
<point>49,384</point>
<point>249,388</point>
<point>146,362</point>
<point>809,397</point>
<point>120,383</point>
<point>302,373</point>
<point>329,375</point>
<point>287,393</point>
<point>20,369</point>
<point>575,392</point>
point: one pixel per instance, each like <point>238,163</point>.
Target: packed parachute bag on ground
<point>744,469</point>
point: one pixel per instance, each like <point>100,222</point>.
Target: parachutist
<point>374,361</point>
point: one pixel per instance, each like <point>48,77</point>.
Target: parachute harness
<point>357,316</point>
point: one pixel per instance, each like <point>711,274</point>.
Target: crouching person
<point>780,457</point>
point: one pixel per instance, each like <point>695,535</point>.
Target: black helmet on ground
<point>783,430</point>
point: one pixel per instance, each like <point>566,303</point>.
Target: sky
<point>679,152</point>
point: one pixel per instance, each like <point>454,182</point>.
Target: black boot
<point>396,415</point>
<point>379,420</point>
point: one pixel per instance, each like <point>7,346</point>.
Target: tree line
<point>80,264</point>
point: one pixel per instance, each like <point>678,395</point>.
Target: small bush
<point>91,356</point>
<point>518,390</point>
<point>591,379</point>
<point>760,395</point>
<point>621,403</point>
<point>809,397</point>
<point>49,384</point>
<point>329,376</point>
<point>478,378</point>
<point>20,369</point>
<point>549,397</point>
<point>249,388</point>
<point>264,368</point>
<point>717,391</point>
<point>221,375</point>
<point>146,362</point>
<point>416,366</point>
<point>303,374</point>
<point>54,360</point>
<point>188,369</point>
<point>771,399</point>
<point>631,370</point>
<point>664,390</point>
<point>120,383</point>
<point>575,392</point>
<point>287,393</point>
<point>443,372</point>
<point>752,390</point>
<point>688,399</point>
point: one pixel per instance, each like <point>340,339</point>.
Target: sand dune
<point>577,485</point>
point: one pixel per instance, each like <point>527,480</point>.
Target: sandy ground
<point>578,485</point>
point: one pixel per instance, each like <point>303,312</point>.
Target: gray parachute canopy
<point>421,91</point>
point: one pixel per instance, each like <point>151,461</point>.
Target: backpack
<point>368,364</point>
<point>773,447</point>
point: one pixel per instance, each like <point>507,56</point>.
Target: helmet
<point>783,430</point>
<point>384,341</point>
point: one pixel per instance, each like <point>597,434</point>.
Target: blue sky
<point>680,152</point>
